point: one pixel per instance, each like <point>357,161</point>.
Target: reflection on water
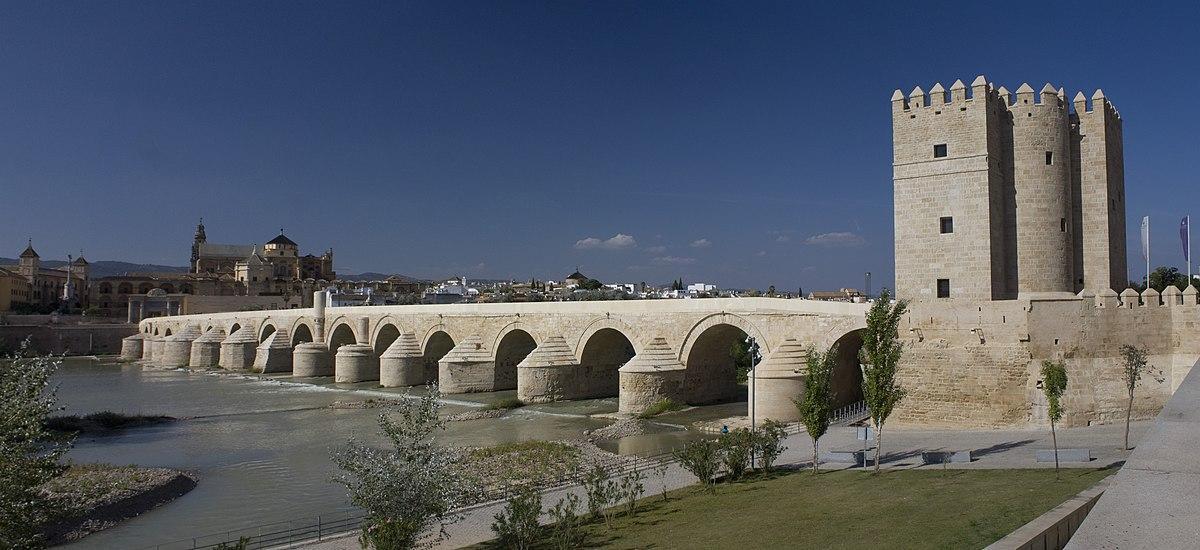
<point>260,447</point>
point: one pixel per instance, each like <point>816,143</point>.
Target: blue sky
<point>745,144</point>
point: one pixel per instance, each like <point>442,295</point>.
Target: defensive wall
<point>965,365</point>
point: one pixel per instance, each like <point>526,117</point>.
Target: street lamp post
<point>752,351</point>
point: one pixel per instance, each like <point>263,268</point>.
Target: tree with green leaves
<point>591,284</point>
<point>1054,383</point>
<point>816,404</point>
<point>411,488</point>
<point>880,357</point>
<point>1135,364</point>
<point>29,453</point>
<point>1163,277</point>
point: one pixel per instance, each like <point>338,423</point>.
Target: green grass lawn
<point>847,509</point>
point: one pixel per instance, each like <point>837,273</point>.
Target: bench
<point>942,457</point>
<point>1064,455</point>
<point>844,457</point>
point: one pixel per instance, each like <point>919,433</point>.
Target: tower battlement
<point>1000,195</point>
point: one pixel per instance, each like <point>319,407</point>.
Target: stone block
<point>311,359</point>
<point>355,363</point>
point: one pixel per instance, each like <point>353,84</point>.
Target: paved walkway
<point>902,449</point>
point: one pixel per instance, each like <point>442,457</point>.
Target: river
<point>260,446</point>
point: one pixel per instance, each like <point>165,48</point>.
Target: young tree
<point>516,526</point>
<point>1054,383</point>
<point>880,355</point>
<point>412,487</point>
<point>1136,365</point>
<point>29,453</point>
<point>769,442</point>
<point>816,404</point>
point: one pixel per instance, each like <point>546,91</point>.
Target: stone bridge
<point>642,351</point>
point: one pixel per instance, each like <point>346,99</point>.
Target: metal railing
<point>851,414</point>
<point>271,535</point>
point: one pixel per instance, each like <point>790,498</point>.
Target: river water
<point>260,446</point>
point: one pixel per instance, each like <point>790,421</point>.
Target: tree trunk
<point>1128,413</point>
<point>814,470</point>
<point>1054,438</point>
<point>878,444</point>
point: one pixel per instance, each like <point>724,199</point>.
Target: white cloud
<point>761,253</point>
<point>619,241</point>
<point>783,238</point>
<point>836,239</point>
<point>701,243</point>
<point>656,249</point>
<point>674,260</point>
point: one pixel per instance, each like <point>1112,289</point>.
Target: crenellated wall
<point>979,365</point>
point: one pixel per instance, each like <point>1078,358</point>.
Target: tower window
<point>939,150</point>
<point>1049,158</point>
<point>1062,225</point>
<point>947,224</point>
<point>943,288</point>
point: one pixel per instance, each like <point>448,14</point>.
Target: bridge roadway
<point>643,351</point>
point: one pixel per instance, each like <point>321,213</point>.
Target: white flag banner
<point>1146,238</point>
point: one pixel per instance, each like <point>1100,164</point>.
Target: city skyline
<point>637,142</point>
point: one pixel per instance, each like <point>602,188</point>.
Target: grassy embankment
<point>845,509</point>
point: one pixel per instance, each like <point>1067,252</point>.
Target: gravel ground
<point>619,429</point>
<point>475,415</point>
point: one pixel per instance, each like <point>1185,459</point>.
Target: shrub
<point>601,492</point>
<point>631,489</point>
<point>566,532</point>
<point>736,447</point>
<point>768,443</point>
<point>701,458</point>
<point>517,525</point>
<point>663,406</point>
<point>509,403</point>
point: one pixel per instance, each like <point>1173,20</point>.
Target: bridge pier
<point>402,363</point>
<point>651,376</point>
<point>177,348</point>
<point>549,373</point>
<point>274,354</point>
<point>149,346</point>
<point>311,359</point>
<point>206,350</point>
<point>131,347</point>
<point>355,363</point>
<point>467,368</point>
<point>778,380</point>
<point>237,350</point>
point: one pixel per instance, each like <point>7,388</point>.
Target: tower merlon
<point>1025,93</point>
<point>1049,95</point>
<point>958,91</point>
<point>937,95</point>
<point>899,102</point>
<point>916,98</point>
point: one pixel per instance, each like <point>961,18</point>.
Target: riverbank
<point>99,496</point>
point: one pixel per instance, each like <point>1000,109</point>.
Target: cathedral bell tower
<point>197,240</point>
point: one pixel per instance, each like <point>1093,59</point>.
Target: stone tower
<point>997,198</point>
<point>197,240</point>
<point>30,262</point>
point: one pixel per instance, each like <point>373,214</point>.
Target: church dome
<point>156,292</point>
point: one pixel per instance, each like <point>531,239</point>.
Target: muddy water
<point>261,446</point>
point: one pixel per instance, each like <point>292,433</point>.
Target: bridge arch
<point>235,327</point>
<point>847,374</point>
<point>711,374</point>
<point>167,332</point>
<point>266,330</point>
<point>385,333</point>
<point>716,319</point>
<point>435,346</point>
<point>602,323</point>
<point>513,345</point>
<point>301,333</point>
<point>341,335</point>
<point>601,356</point>
<point>514,326</point>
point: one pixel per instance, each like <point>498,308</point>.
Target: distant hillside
<point>373,276</point>
<point>108,268</point>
